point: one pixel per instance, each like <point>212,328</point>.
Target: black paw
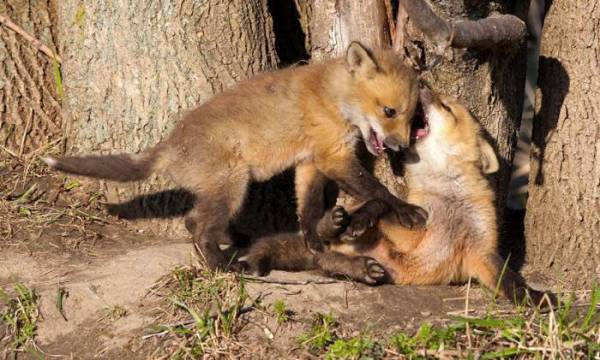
<point>411,216</point>
<point>359,224</point>
<point>374,272</point>
<point>339,217</point>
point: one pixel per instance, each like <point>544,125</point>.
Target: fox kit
<point>309,117</point>
<point>447,179</point>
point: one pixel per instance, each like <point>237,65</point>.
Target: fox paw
<point>359,224</point>
<point>411,216</point>
<point>374,272</point>
<point>339,218</point>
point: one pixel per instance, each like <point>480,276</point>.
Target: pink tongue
<point>376,143</point>
<point>420,133</point>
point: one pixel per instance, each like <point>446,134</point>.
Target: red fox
<point>446,178</point>
<point>309,117</point>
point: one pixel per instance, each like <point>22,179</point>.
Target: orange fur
<point>448,181</point>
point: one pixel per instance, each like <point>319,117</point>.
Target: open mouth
<point>420,124</point>
<point>376,143</point>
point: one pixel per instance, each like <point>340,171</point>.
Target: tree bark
<point>335,24</point>
<point>563,210</point>
<point>131,68</point>
<point>30,116</point>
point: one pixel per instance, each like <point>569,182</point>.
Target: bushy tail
<point>120,167</point>
<point>492,272</point>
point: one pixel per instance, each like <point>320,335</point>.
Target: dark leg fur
<point>208,222</point>
<point>287,252</point>
<point>358,268</point>
<point>362,185</point>
<point>312,211</point>
<point>332,224</point>
<point>280,252</point>
<point>364,218</point>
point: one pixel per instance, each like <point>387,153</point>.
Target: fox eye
<point>446,107</point>
<point>389,112</point>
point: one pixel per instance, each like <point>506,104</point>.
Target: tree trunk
<point>131,68</point>
<point>563,210</point>
<point>30,116</point>
<point>333,25</point>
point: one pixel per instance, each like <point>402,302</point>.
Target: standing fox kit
<point>461,237</point>
<point>308,117</point>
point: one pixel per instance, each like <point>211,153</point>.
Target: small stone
<point>426,313</point>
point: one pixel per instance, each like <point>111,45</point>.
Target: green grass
<point>354,348</point>
<point>321,334</point>
<point>568,331</point>
<point>19,315</point>
<point>205,307</point>
<point>282,313</point>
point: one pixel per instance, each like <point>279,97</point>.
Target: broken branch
<point>35,42</point>
<point>494,31</point>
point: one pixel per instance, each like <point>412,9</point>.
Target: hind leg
<point>209,219</point>
<point>279,252</point>
<point>208,225</point>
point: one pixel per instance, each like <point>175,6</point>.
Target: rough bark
<point>335,24</point>
<point>563,209</point>
<point>30,115</point>
<point>131,68</point>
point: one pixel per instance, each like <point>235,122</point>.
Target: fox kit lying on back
<point>461,238</point>
<point>308,117</point>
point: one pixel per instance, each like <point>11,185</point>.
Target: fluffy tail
<point>120,167</point>
<point>492,273</point>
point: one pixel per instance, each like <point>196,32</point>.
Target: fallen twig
<point>35,42</point>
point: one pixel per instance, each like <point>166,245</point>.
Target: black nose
<point>394,143</point>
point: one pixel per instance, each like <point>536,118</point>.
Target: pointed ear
<point>359,60</point>
<point>488,159</point>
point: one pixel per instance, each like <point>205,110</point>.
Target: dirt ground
<point>101,262</point>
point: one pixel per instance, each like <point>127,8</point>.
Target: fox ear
<point>359,60</point>
<point>487,157</point>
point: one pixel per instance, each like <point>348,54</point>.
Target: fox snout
<point>396,143</point>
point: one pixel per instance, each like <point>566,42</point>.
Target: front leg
<point>364,218</point>
<point>354,179</point>
<point>310,194</point>
<point>332,224</point>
